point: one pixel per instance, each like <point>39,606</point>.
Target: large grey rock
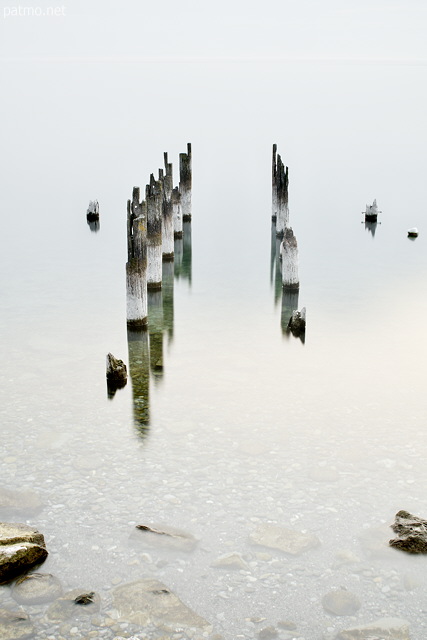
<point>21,547</point>
<point>383,629</point>
<point>149,601</point>
<point>16,503</point>
<point>15,625</point>
<point>411,532</point>
<point>341,602</point>
<point>287,540</point>
<point>164,536</point>
<point>36,588</point>
<point>74,604</point>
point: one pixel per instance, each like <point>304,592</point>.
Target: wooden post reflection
<point>139,369</point>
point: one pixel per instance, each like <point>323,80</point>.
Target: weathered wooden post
<point>289,253</point>
<point>167,210</point>
<point>274,184</point>
<point>276,264</point>
<point>185,183</point>
<point>282,206</point>
<point>139,362</point>
<point>289,305</point>
<point>371,212</point>
<point>136,266</point>
<point>176,213</point>
<point>154,198</point>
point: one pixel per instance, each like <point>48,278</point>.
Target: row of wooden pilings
<point>286,254</point>
<point>152,226</point>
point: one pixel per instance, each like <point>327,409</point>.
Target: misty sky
<point>237,29</point>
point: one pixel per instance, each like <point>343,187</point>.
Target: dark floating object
<point>371,212</point>
<point>116,374</point>
<point>85,598</point>
<point>411,532</point>
<point>93,211</point>
<point>413,232</point>
<point>296,323</point>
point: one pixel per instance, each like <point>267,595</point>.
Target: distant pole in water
<point>274,184</point>
<point>282,206</point>
<point>289,253</point>
<point>167,211</point>
<point>176,213</point>
<point>371,212</point>
<point>185,183</point>
<point>154,198</point>
<point>136,266</point>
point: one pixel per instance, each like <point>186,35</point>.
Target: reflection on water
<point>289,304</point>
<point>182,265</point>
<point>139,369</point>
<point>94,225</point>
<point>146,352</point>
<point>371,226</point>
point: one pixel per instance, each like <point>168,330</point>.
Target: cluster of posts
<point>159,251</point>
<point>285,250</point>
<point>152,226</point>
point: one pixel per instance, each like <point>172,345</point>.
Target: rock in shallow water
<point>164,536</point>
<point>15,625</point>
<point>341,602</point>
<point>21,547</point>
<point>287,540</point>
<point>411,532</point>
<point>383,629</point>
<point>150,601</point>
<point>36,588</point>
<point>69,606</point>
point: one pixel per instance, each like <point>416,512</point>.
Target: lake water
<point>244,424</point>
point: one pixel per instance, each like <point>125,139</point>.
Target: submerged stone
<point>15,625</point>
<point>411,531</point>
<point>21,547</point>
<point>286,540</point>
<point>341,602</point>
<point>164,536</point>
<point>36,588</point>
<point>383,629</point>
<point>231,561</point>
<point>149,601</point>
<point>19,502</point>
<point>70,605</point>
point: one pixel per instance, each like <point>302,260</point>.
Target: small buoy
<point>413,233</point>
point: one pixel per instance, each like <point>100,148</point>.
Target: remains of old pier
<point>153,225</point>
<point>157,231</point>
<point>285,250</point>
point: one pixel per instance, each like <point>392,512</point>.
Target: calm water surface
<point>244,424</point>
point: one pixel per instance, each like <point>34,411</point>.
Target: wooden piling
<point>176,213</point>
<point>167,212</point>
<point>274,184</point>
<point>154,199</point>
<point>289,253</point>
<point>282,206</point>
<point>185,183</point>
<point>136,266</point>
